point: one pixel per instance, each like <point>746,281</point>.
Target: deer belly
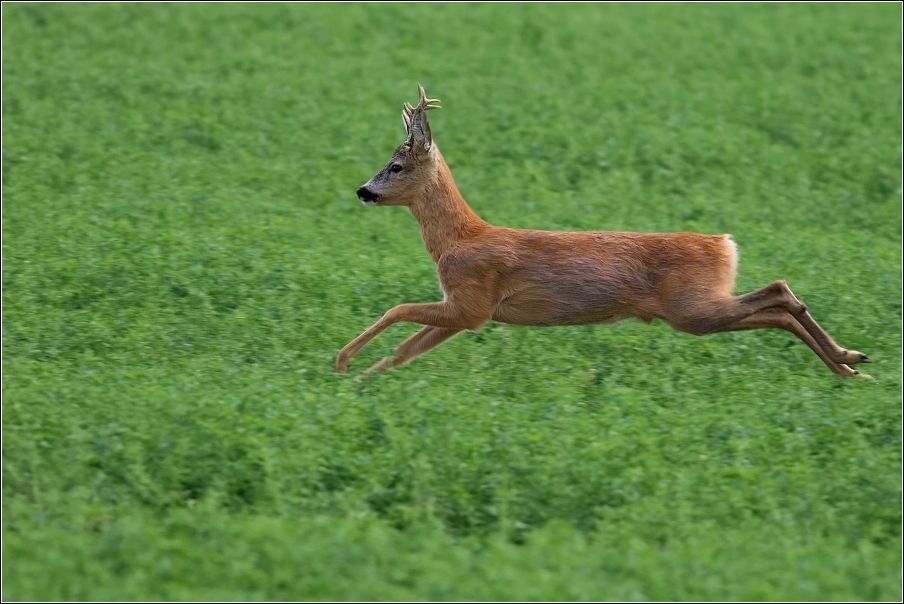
<point>566,303</point>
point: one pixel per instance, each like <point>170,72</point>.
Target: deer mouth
<point>368,197</point>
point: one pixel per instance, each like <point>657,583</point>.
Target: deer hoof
<point>851,357</point>
<point>861,375</point>
<point>341,366</point>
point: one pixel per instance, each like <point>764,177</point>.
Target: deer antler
<point>415,119</point>
<point>426,103</point>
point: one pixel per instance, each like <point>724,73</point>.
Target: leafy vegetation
<point>183,256</point>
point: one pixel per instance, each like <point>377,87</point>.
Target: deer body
<point>542,278</point>
<point>545,278</point>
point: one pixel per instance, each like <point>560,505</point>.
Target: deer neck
<point>443,215</point>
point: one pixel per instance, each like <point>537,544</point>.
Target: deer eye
<point>395,168</point>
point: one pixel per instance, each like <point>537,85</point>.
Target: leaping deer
<point>542,278</point>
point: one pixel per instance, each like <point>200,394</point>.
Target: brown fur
<point>544,278</point>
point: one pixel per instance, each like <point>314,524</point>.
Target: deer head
<point>403,179</point>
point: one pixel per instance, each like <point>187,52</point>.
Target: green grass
<point>184,255</point>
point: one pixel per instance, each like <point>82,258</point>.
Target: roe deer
<point>527,277</point>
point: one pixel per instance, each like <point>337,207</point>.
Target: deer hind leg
<point>726,314</point>
<point>419,343</point>
<point>803,317</point>
<point>780,318</point>
<point>838,354</point>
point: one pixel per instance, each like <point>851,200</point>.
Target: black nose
<point>366,195</point>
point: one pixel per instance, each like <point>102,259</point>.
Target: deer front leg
<point>438,314</point>
<point>419,343</point>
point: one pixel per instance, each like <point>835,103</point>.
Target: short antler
<point>426,103</point>
<point>415,120</point>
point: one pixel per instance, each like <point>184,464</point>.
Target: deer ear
<point>419,131</point>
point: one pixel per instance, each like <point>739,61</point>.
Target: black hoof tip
<point>865,359</point>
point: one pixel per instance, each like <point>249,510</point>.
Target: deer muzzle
<point>367,197</point>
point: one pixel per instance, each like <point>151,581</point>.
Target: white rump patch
<point>732,249</point>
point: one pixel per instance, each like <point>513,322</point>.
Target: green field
<point>184,255</point>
